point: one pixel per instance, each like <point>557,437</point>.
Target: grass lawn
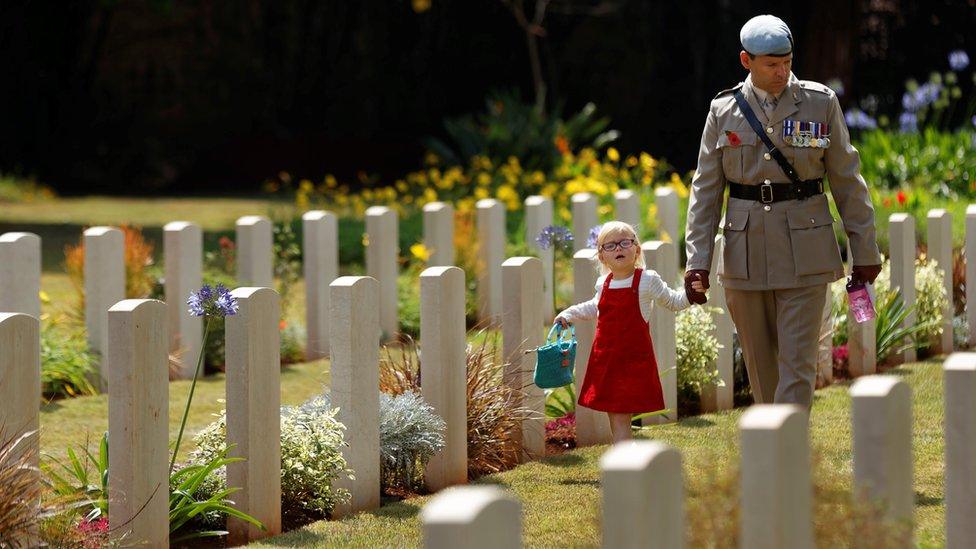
<point>561,494</point>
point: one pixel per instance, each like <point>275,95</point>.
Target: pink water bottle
<point>860,301</point>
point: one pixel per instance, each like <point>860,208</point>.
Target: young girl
<point>621,375</point>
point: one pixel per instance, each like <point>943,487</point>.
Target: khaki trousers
<point>779,332</point>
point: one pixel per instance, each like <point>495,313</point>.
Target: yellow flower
<point>430,195</point>
<point>402,186</point>
<point>365,240</point>
<point>480,193</point>
<point>507,194</point>
<point>613,155</point>
<point>483,179</point>
<point>420,251</point>
<point>430,158</point>
<point>306,186</point>
<point>44,297</point>
<point>605,209</point>
<point>678,185</point>
<point>631,161</point>
<point>301,201</point>
<point>565,214</point>
<point>647,161</point>
<point>330,181</point>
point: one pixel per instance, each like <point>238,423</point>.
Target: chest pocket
<point>735,156</point>
<point>812,238</point>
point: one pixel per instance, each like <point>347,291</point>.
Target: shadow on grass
<point>564,460</point>
<point>577,482</point>
<point>923,500</point>
<point>696,422</point>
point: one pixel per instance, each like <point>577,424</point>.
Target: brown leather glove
<point>865,273</point>
<point>698,298</point>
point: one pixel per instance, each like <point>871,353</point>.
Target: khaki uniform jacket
<point>792,244</point>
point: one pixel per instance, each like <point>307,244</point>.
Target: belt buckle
<point>765,190</point>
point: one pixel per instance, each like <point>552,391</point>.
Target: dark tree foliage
<point>157,96</point>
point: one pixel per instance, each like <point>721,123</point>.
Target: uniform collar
<point>788,99</point>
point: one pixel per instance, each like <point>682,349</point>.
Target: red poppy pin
<point>733,138</point>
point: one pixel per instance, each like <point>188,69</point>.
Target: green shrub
<point>311,460</point>
<point>410,433</point>
<point>930,297</point>
<point>936,162</point>
<point>292,345</point>
<point>67,366</point>
<point>697,350</point>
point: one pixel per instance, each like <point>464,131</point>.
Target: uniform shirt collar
<point>763,95</point>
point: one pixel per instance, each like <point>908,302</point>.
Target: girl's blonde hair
<point>610,228</point>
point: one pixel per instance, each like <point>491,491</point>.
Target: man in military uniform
<point>780,247</point>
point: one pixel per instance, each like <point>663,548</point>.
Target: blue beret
<point>766,35</point>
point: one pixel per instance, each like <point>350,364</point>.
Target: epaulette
<point>814,86</point>
<point>728,91</point>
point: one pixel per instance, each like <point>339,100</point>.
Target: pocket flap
<point>746,137</point>
<point>736,220</point>
<point>807,218</point>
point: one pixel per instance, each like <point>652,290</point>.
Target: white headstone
<point>255,251</point>
<point>183,257</point>
<point>538,215</point>
<point>776,497</point>
<point>254,412</point>
<point>959,373</point>
<point>20,382</point>
<point>444,370</point>
<point>382,249</point>
<point>716,397</point>
<point>491,254</point>
<point>881,413</point>
<point>20,273</point>
<point>355,378</point>
<point>592,427</point>
<point>660,257</point>
<point>901,231</point>
<point>628,207</point>
<point>643,496</point>
<point>138,422</point>
<point>104,286</point>
<point>584,218</point>
<point>667,212</point>
<point>940,249</point>
<point>474,517</point>
<point>439,233</point>
<point>320,249</point>
<point>521,321</point>
<point>970,251</point>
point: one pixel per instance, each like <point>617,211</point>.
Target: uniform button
<point>769,129</point>
<point>730,224</point>
<point>767,207</point>
<point>812,220</point>
<point>767,156</point>
<point>767,182</point>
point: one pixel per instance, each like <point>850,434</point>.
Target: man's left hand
<point>865,273</point>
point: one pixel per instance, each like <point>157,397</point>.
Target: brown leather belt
<point>776,192</point>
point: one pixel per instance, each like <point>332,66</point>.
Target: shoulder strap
<point>635,284</point>
<point>758,128</point>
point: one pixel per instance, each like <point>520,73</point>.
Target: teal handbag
<point>554,361</point>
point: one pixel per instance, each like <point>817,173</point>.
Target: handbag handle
<point>564,344</point>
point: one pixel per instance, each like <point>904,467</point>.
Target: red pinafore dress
<point>621,375</point>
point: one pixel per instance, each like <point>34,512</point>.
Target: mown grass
<point>561,494</point>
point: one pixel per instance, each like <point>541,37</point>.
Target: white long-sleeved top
<point>651,288</point>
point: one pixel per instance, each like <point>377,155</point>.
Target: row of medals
<point>807,141</point>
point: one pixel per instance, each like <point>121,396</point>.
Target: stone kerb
<point>474,517</point>
<point>959,374</point>
<point>382,248</point>
<point>901,234</point>
<point>355,379</point>
<point>443,370</point>
<point>660,257</point>
<point>643,496</point>
<point>592,427</point>
<point>881,413</point>
<point>320,265</point>
<point>940,249</point>
<point>970,251</point>
<point>20,381</point>
<point>439,233</point>
<point>104,287</point>
<point>491,254</point>
<point>521,322</point>
<point>20,273</point>
<point>254,412</point>
<point>183,258</point>
<point>138,419</point>
<point>254,251</point>
<point>584,218</point>
<point>776,491</point>
<point>628,207</point>
<point>538,215</point>
<point>715,397</point>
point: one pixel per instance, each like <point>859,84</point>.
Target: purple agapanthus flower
<point>859,120</point>
<point>958,60</point>
<point>554,236</point>
<point>923,96</point>
<point>593,236</point>
<point>908,122</point>
<point>213,302</point>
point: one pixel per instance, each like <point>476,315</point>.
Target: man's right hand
<point>698,298</point>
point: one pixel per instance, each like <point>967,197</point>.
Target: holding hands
<point>696,282</point>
